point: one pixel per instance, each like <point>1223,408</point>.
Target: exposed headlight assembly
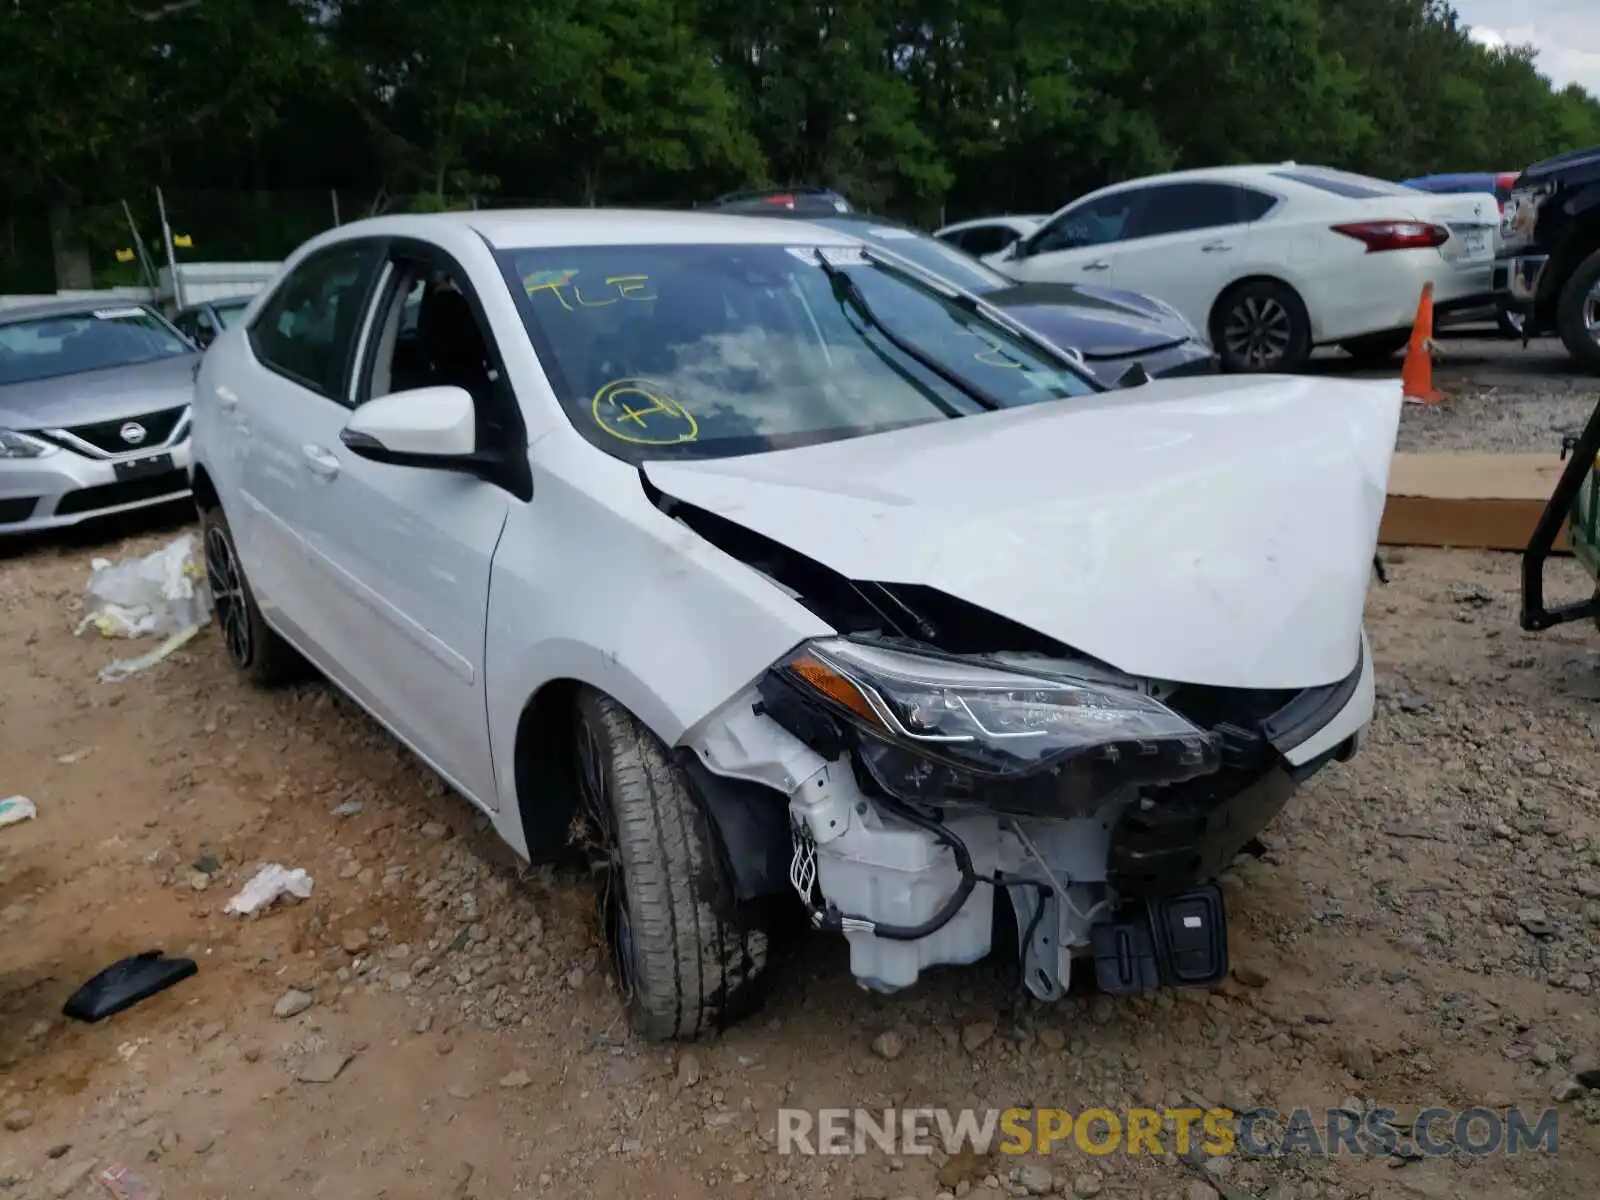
<point>21,445</point>
<point>952,732</point>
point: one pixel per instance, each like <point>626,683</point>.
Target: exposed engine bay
<point>934,754</point>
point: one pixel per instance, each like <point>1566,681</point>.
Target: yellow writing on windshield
<point>639,411</point>
<point>563,285</point>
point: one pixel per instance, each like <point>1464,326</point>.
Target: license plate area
<point>143,468</point>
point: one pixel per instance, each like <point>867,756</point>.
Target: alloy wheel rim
<point>226,582</point>
<point>1257,331</point>
<point>1591,313</point>
<point>605,857</point>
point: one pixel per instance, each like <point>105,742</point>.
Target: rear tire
<point>1376,347</point>
<point>1261,327</point>
<point>1578,313</point>
<point>687,958</point>
<point>253,647</point>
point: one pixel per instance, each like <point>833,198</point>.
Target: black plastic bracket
<point>1535,615</point>
<point>1171,941</point>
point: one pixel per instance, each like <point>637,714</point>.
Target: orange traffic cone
<point>1417,374</point>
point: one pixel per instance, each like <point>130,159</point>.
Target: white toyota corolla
<point>757,565</point>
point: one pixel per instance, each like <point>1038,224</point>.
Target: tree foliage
<point>925,108</point>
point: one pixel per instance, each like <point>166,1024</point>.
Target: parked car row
<point>1270,261</point>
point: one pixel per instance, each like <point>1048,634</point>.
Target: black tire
<point>263,657</point>
<point>1376,347</point>
<point>1261,327</point>
<point>687,958</point>
<point>1578,313</point>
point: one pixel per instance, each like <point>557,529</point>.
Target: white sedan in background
<point>1273,261</point>
<point>753,566</point>
<point>983,236</point>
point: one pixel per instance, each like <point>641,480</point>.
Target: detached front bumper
<point>64,487</point>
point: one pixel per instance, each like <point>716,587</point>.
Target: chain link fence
<point>120,243</point>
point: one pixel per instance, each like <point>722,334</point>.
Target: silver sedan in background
<point>94,412</point>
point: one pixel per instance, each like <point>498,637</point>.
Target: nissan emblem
<point>132,433</point>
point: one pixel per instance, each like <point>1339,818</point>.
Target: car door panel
<point>406,567</point>
<point>404,559</point>
<point>290,392</point>
<point>1187,242</point>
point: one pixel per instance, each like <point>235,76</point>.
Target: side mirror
<point>425,427</point>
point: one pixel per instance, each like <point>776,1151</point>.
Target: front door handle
<point>320,461</point>
<point>1216,247</point>
<point>226,397</point>
<point>1098,264</point>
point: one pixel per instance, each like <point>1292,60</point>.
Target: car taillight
<point>1395,235</point>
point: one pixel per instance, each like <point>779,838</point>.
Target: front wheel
<point>686,956</point>
<point>1578,313</point>
<point>1261,327</point>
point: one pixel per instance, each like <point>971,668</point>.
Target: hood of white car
<point>1216,531</point>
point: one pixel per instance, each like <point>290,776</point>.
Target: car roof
<point>220,302</point>
<point>994,219</point>
<point>519,229</point>
<point>65,307</point>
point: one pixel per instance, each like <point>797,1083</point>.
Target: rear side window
<point>307,329</point>
<point>1341,183</point>
<point>1256,204</point>
<point>986,239</point>
<point>1184,207</point>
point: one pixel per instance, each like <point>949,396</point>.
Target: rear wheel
<point>1261,327</point>
<point>1578,313</point>
<point>686,956</point>
<point>1376,347</point>
<point>253,646</point>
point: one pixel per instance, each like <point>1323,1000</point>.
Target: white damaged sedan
<point>757,566</point>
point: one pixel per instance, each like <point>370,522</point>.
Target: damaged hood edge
<point>1218,530</point>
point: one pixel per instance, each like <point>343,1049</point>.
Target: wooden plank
<point>1468,501</point>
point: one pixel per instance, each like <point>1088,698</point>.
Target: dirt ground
<point>1423,929</point>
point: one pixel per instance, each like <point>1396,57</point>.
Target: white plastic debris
<point>17,808</point>
<point>268,884</point>
<point>162,593</point>
<point>115,672</point>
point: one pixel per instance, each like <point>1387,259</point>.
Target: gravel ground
<point>1502,397</point>
<point>1422,928</point>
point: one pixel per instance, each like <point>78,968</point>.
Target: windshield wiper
<point>846,290</point>
<point>977,306</point>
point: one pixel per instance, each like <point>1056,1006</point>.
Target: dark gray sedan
<point>202,322</point>
<point>1110,329</point>
<point>94,412</point>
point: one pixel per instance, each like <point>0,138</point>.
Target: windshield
<point>928,253</point>
<point>229,313</point>
<point>71,343</point>
<point>711,351</point>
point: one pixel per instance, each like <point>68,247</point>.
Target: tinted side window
<point>1183,207</point>
<point>987,239</point>
<point>307,329</point>
<point>1097,223</point>
<point>1256,204</point>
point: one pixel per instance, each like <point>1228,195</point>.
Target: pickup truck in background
<point>1548,271</point>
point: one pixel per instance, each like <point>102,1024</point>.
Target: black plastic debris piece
<point>123,984</point>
